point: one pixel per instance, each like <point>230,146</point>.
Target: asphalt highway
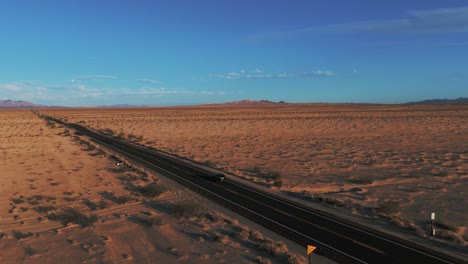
<point>338,239</point>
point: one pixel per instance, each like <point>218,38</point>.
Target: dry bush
<point>388,207</point>
<point>20,235</point>
<point>72,215</point>
<point>296,259</point>
<point>44,208</point>
<point>152,190</point>
<point>243,234</point>
<point>446,226</point>
<point>186,209</point>
<point>28,251</point>
<point>262,260</point>
<point>273,248</point>
<point>256,235</point>
<point>148,221</point>
<point>101,204</point>
<point>450,236</point>
<point>122,199</point>
<point>19,200</point>
<point>364,179</point>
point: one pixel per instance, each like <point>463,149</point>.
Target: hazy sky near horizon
<point>143,52</point>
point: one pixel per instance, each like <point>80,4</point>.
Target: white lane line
<point>273,221</point>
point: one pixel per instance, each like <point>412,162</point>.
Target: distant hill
<point>255,102</point>
<point>120,106</point>
<point>460,100</point>
<point>17,104</point>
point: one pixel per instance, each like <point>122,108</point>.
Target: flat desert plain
<point>388,165</point>
<point>65,200</point>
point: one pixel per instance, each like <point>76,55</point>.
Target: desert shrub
<point>450,236</point>
<point>388,207</point>
<point>296,259</point>
<point>210,163</point>
<point>121,135</point>
<point>98,153</point>
<point>44,208</point>
<point>122,199</point>
<point>102,204</point>
<point>20,235</point>
<point>89,147</point>
<point>327,200</point>
<point>217,237</point>
<point>28,251</point>
<point>186,209</point>
<point>276,175</point>
<point>92,205</point>
<point>256,235</point>
<point>278,183</point>
<point>107,131</point>
<point>149,221</point>
<point>152,190</point>
<point>71,215</point>
<point>364,179</point>
<point>19,200</point>
<point>277,178</point>
<point>35,199</point>
<point>262,260</point>
<point>273,248</point>
<point>446,226</point>
<point>117,199</point>
<point>243,234</point>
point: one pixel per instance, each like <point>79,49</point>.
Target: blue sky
<point>89,52</point>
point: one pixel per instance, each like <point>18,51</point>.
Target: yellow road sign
<point>310,249</point>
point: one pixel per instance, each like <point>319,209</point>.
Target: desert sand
<point>385,164</point>
<point>65,200</point>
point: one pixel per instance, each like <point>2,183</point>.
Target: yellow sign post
<point>310,249</point>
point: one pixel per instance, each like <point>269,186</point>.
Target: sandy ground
<point>389,164</point>
<point>62,200</point>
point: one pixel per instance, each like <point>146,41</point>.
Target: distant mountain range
<point>24,104</point>
<point>256,102</point>
<point>17,104</point>
<point>460,100</point>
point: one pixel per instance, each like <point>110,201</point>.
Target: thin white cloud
<point>442,20</point>
<point>257,74</point>
<point>150,81</point>
<point>60,94</point>
<point>13,87</point>
<point>93,77</point>
<point>163,91</point>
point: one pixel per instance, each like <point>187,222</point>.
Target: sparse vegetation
<point>388,207</point>
<point>20,235</point>
<point>152,190</point>
<point>29,251</point>
<point>261,260</point>
<point>101,204</point>
<point>364,179</point>
<point>186,209</point>
<point>44,208</point>
<point>72,215</point>
<point>273,248</point>
<point>119,199</point>
<point>19,200</point>
<point>446,226</point>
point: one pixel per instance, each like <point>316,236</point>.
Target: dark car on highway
<point>215,177</point>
